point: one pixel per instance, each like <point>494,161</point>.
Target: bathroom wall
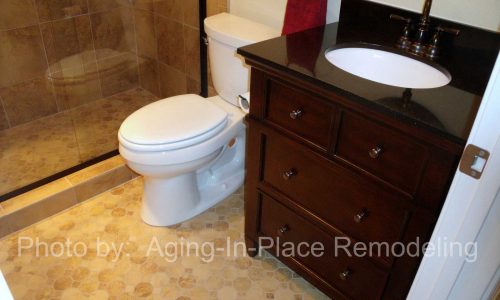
<point>59,54</point>
<point>483,14</point>
<point>168,50</point>
<point>272,12</point>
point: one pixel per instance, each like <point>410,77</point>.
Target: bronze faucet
<point>418,45</point>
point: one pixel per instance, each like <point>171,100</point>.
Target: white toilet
<point>189,149</point>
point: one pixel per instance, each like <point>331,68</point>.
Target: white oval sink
<point>388,68</point>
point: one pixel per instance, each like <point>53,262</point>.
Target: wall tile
<point>28,101</point>
<point>113,32</point>
<point>191,13</point>
<point>118,74</point>
<point>193,86</point>
<point>144,4</point>
<point>192,49</point>
<point>211,92</point>
<point>49,10</point>
<point>103,5</point>
<point>171,43</point>
<point>68,43</point>
<point>216,6</point>
<point>21,55</point>
<point>145,33</point>
<point>76,86</point>
<point>222,5</point>
<point>4,123</point>
<point>172,9</point>
<point>17,13</point>
<point>172,82</point>
<point>149,75</point>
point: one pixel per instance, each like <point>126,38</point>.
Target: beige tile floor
<point>38,149</point>
<point>114,218</point>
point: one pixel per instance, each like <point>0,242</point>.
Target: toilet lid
<point>176,119</point>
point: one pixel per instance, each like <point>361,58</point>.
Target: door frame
<point>467,205</point>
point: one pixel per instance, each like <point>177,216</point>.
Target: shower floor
<point>41,148</point>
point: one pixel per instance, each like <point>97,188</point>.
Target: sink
<point>389,68</point>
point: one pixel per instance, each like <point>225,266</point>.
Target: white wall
<point>272,12</point>
<point>484,14</point>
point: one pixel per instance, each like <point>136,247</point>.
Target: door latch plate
<point>474,161</point>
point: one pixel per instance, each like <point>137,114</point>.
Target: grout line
<point>136,46</point>
<point>95,51</point>
<point>44,46</point>
<point>157,51</point>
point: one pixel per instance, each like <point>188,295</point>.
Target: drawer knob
<point>345,274</point>
<point>287,175</point>
<point>359,217</point>
<point>295,114</point>
<point>375,152</point>
<point>283,229</point>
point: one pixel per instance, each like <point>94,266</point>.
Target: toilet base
<point>188,203</point>
<point>169,201</point>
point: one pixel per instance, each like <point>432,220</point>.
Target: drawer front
<point>386,153</point>
<point>348,201</point>
<point>301,113</point>
<point>357,278</point>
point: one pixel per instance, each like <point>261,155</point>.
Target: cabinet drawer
<point>361,280</point>
<point>301,113</point>
<point>384,152</point>
<point>350,202</point>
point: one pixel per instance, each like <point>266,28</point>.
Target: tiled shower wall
<point>168,44</point>
<point>71,72</point>
<point>59,54</point>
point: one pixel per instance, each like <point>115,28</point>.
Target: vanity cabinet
<point>323,168</point>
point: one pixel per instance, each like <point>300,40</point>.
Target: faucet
<point>418,44</point>
<point>418,47</point>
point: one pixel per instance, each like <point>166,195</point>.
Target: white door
<point>469,215</point>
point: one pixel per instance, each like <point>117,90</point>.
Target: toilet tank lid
<point>237,31</point>
<point>172,120</point>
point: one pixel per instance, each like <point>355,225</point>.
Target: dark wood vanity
<point>330,158</point>
<point>320,167</point>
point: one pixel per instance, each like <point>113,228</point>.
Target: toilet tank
<point>226,33</point>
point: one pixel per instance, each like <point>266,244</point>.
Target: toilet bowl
<point>190,150</point>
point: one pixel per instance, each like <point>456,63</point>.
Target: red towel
<point>304,14</point>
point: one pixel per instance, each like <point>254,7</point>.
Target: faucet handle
<point>404,40</point>
<point>453,31</point>
<point>432,50</point>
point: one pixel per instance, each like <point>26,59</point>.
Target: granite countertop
<point>449,110</point>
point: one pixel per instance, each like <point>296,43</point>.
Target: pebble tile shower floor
<point>41,148</point>
<point>113,218</point>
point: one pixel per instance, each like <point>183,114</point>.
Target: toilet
<point>189,149</point>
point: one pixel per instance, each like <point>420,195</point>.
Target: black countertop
<point>449,110</point>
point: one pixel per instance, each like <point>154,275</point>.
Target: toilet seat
<point>172,123</point>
